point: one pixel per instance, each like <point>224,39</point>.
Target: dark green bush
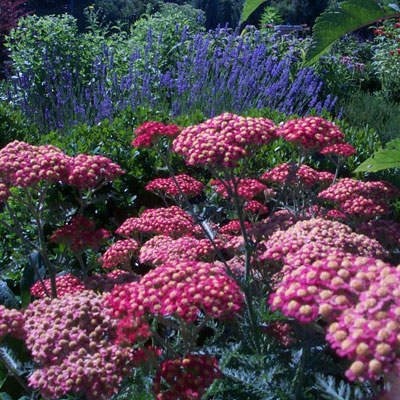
<point>13,125</point>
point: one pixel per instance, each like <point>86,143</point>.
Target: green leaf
<point>249,7</point>
<point>7,297</point>
<point>383,158</point>
<point>5,396</point>
<point>332,25</point>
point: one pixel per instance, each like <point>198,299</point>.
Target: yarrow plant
<point>294,267</point>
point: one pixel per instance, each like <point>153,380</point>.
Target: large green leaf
<point>249,7</point>
<point>352,15</point>
<point>383,158</point>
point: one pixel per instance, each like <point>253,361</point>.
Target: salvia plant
<point>290,290</point>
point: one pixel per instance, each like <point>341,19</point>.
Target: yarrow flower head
<point>233,227</point>
<point>4,192</point>
<point>162,249</point>
<point>80,234</point>
<point>255,207</point>
<point>366,199</point>
<point>149,133</point>
<point>185,378</point>
<point>22,164</point>
<point>72,341</point>
<point>340,149</point>
<point>223,140</point>
<point>190,187</point>
<point>247,188</point>
<point>87,172</point>
<point>174,289</point>
<point>304,175</point>
<point>119,254</point>
<point>65,285</point>
<point>171,221</point>
<point>311,133</point>
<point>12,322</point>
<point>329,233</point>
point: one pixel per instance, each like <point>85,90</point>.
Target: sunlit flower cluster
<point>71,339</point>
<point>119,254</point>
<point>361,198</point>
<point>233,227</point>
<point>255,207</point>
<point>304,175</point>
<point>162,249</point>
<point>171,221</point>
<point>311,133</point>
<point>80,234</point>
<point>175,289</point>
<point>149,133</point>
<point>185,378</point>
<point>329,233</point>
<point>65,284</point>
<point>189,186</point>
<point>223,140</point>
<point>246,188</point>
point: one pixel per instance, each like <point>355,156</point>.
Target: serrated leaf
<point>382,159</point>
<point>332,25</point>
<point>249,7</point>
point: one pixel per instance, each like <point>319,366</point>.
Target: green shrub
<point>13,126</point>
<point>366,110</point>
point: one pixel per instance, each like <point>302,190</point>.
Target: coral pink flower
<point>190,187</point>
<point>361,198</point>
<point>223,140</point>
<point>247,188</point>
<point>72,340</point>
<point>80,234</point>
<point>340,149</point>
<point>149,133</point>
<point>185,378</point>
<point>119,254</point>
<point>162,249</point>
<point>171,221</point>
<point>65,284</point>
<point>304,175</point>
<point>174,289</point>
<point>311,133</point>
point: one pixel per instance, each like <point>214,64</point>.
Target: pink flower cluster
<point>149,133</point>
<point>368,332</point>
<point>332,234</point>
<point>281,331</point>
<point>65,284</point>
<point>162,249</point>
<point>185,378</point>
<point>87,172</point>
<point>223,140</point>
<point>171,221</point>
<point>80,234</point>
<point>304,175</point>
<point>12,322</point>
<point>177,289</point>
<point>22,164</point>
<point>106,282</point>
<point>190,187</point>
<point>119,254</point>
<point>386,231</point>
<point>72,341</point>
<point>4,192</point>
<point>255,207</point>
<point>247,188</point>
<point>233,227</point>
<point>361,198</point>
<point>340,149</point>
<point>311,133</point>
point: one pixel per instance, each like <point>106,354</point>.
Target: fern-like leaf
<point>352,15</point>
